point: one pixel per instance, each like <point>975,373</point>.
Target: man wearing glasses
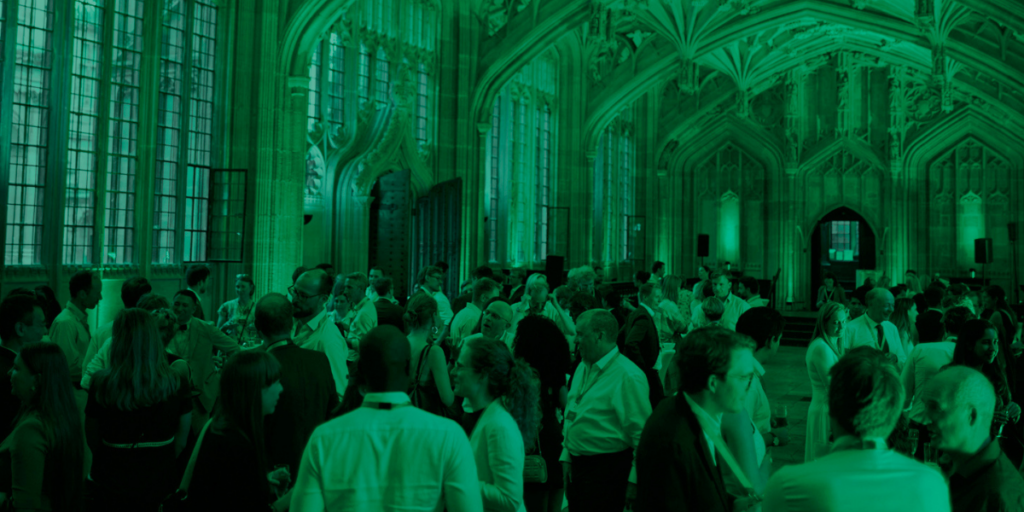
<point>314,329</point>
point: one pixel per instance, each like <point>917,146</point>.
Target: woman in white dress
<point>824,351</point>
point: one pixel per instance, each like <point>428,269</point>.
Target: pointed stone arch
<point>858,148</point>
<point>950,131</point>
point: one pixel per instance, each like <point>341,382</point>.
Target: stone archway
<point>864,257</point>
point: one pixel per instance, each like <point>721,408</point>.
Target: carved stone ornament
<point>316,168</point>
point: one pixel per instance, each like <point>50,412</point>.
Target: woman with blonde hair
<point>671,324</point>
<point>824,351</point>
<point>904,317</point>
<point>137,418</point>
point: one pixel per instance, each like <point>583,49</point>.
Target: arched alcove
<point>842,229</point>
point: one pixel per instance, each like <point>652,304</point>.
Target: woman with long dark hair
<point>231,470</point>
<point>432,390</point>
<point>542,345</point>
<point>42,461</point>
<point>505,390</point>
<point>137,418</point>
<point>977,346</point>
<point>904,317</point>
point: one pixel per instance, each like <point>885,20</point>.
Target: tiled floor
<point>786,383</point>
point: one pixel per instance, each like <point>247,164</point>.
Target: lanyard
<point>592,380</point>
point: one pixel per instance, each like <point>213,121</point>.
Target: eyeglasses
<point>301,295</point>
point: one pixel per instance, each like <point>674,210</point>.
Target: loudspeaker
<point>703,246</point>
<point>1013,231</point>
<point>983,250</point>
<point>554,268</point>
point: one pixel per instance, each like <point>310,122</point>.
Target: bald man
<point>495,323</point>
<point>309,394</point>
<point>873,328</point>
<point>959,405</point>
<point>407,458</point>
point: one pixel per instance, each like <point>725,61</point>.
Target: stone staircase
<point>799,329</point>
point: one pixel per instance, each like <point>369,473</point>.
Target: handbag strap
<point>186,479</point>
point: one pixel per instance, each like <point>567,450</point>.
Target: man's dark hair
<point>657,266</point>
<point>485,285</point>
<point>196,274</point>
<point>482,272</point>
<point>642,275</point>
<point>378,268</point>
<point>383,353</point>
<point>81,282</point>
<point>865,395</point>
<point>898,289</point>
<point>750,284</point>
<point>133,289</point>
<point>955,318</point>
<point>861,293</point>
<point>16,308</point>
<point>382,285</point>
<point>705,352</point>
<point>188,293</point>
<point>426,272</point>
<point>298,273</point>
<point>911,272</point>
<point>933,295</point>
<point>324,266</point>
<point>273,316</point>
<point>761,324</point>
<point>441,265</point>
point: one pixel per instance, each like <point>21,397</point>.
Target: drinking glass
<point>781,416</point>
<point>912,437</point>
<point>931,453</point>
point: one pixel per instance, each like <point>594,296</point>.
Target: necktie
<point>881,338</point>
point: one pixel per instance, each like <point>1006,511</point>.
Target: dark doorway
<point>390,228</point>
<point>841,243</point>
<point>437,231</point>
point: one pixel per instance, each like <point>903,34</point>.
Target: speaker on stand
<point>983,254</point>
<point>703,247</point>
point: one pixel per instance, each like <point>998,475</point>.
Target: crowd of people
<point>508,396</point>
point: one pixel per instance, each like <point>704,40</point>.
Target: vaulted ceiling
<point>708,58</point>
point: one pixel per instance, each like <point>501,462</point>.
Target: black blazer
<point>640,341</point>
<point>389,314</point>
<point>308,398</point>
<point>517,295</point>
<point>9,404</point>
<point>674,471</point>
<point>929,326</point>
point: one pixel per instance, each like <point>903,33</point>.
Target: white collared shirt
<point>359,321</point>
<point>407,459</point>
<point>924,362</point>
<point>465,322</point>
<point>734,307</point>
<point>863,331</point>
<point>322,335</point>
<point>444,307</point>
<point>612,411</point>
<point>857,480</point>
<point>70,332</point>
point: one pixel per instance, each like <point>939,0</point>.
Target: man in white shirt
<point>70,330</point>
<point>371,292</point>
<point>681,453</point>
<point>361,317</point>
<point>748,289</point>
<point>861,473</point>
<point>607,407</point>
<point>873,328</point>
<point>433,278</point>
<point>484,290</point>
<point>314,329</point>
<point>387,454</point>
<point>928,358</point>
<point>497,319</point>
<point>734,306</point>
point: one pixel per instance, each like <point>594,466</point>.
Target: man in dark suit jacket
<point>929,323</point>
<point>639,339</point>
<point>388,310</point>
<point>516,285</point>
<point>679,461</point>
<point>309,393</point>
